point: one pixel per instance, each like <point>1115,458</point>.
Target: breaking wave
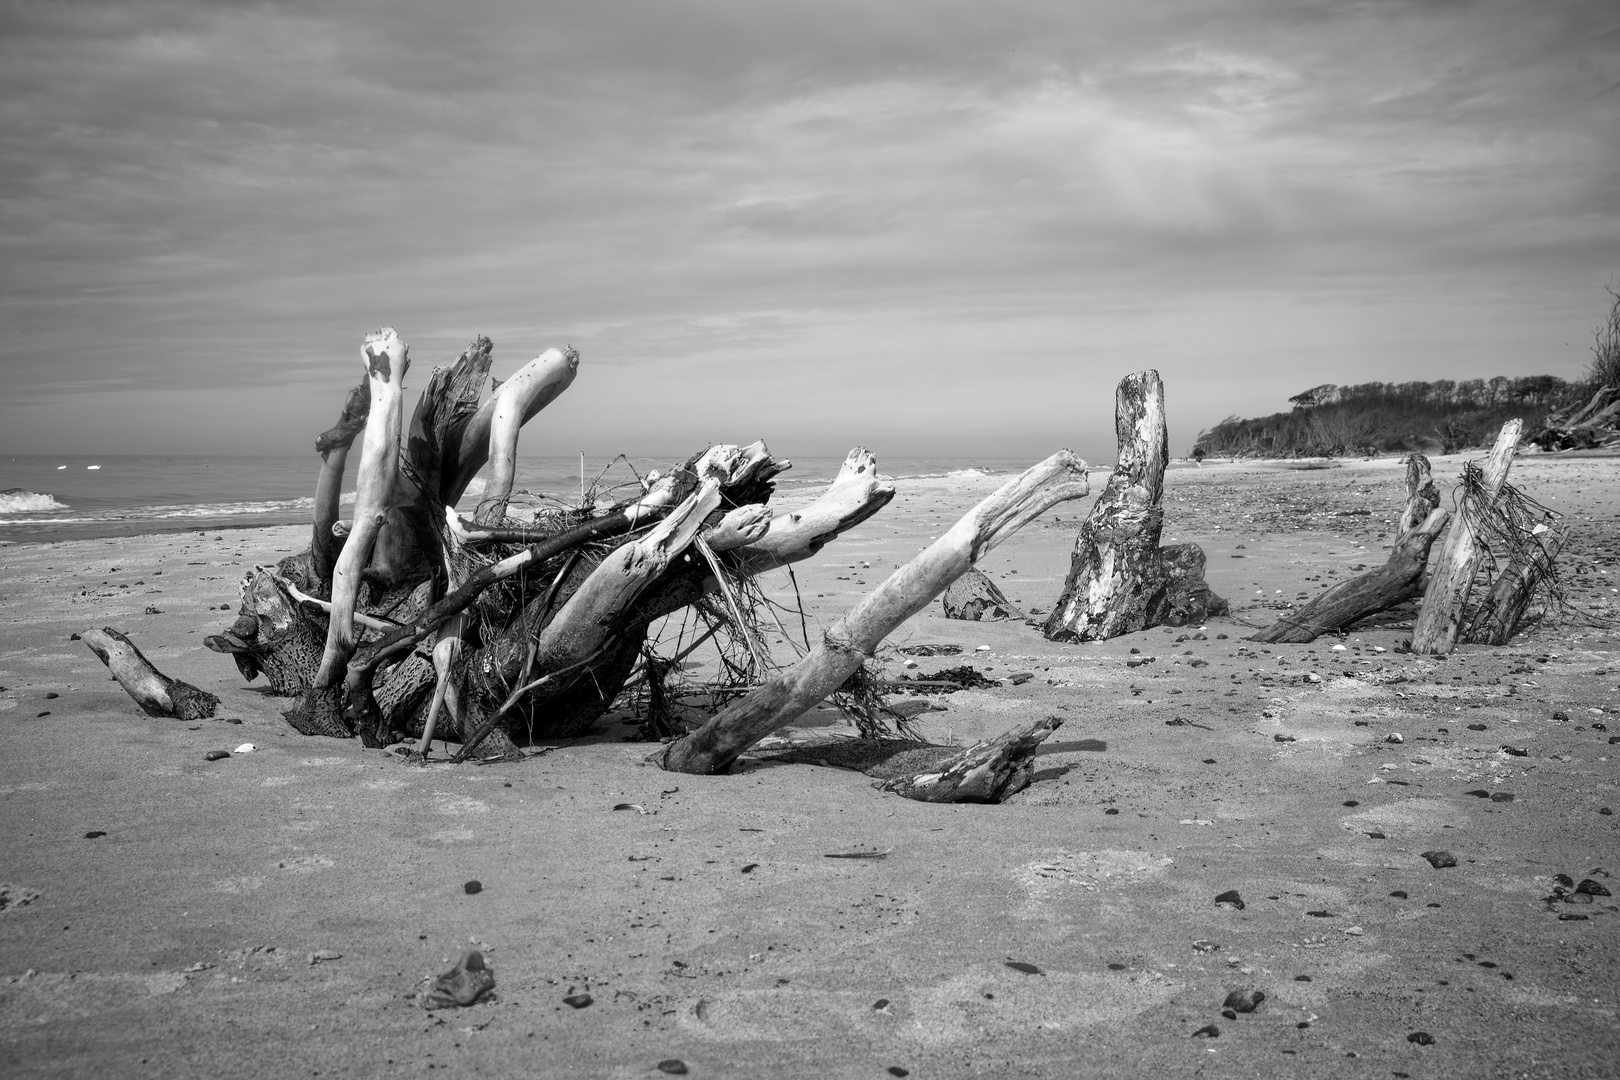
<point>21,501</point>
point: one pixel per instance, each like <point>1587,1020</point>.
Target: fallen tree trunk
<point>1440,617</point>
<point>716,745</point>
<point>153,691</point>
<point>1397,581</point>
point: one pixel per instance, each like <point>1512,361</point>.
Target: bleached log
<point>153,691</point>
<point>386,359</point>
<point>986,772</point>
<point>854,495</point>
<point>1503,608</point>
<point>1115,576</point>
<point>851,640</point>
<point>1421,495</point>
<point>530,389</point>
<point>1440,617</point>
<point>741,526</point>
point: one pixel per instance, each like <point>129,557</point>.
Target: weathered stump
<point>973,597</point>
<point>1120,580</point>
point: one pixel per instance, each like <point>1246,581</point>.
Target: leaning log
<point>850,642</point>
<point>153,691</point>
<point>986,772</point>
<point>1397,581</point>
<point>333,447</point>
<point>1440,618</point>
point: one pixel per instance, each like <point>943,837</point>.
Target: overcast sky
<point>932,228</point>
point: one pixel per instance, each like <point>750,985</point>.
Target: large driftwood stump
<point>1119,578</point>
<point>851,640</point>
<point>1440,618</point>
<point>1397,581</point>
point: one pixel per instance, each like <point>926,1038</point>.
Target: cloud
<point>990,211</point>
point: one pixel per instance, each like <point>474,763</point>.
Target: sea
<point>44,499</point>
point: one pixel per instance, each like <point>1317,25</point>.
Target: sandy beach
<point>274,913</point>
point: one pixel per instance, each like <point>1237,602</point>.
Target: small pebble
<point>1476,727</point>
<point>1283,738</point>
<point>474,887</point>
<point>1399,894</point>
<point>1231,898</point>
<point>1111,810</point>
<point>1116,967</point>
<point>1352,802</point>
<point>1440,859</point>
<point>1229,1014</point>
<point>232,720</point>
<point>1502,796</point>
<point>1208,1031</point>
<point>1027,969</point>
<point>1568,917</point>
<point>895,1070</point>
<point>1560,714</point>
<point>673,1066</point>
<point>1592,888</point>
<point>1605,811</point>
<point>1422,1038</point>
<point>93,833</point>
<point>46,713</point>
<point>52,694</point>
<point>215,755</point>
<point>880,1004</point>
<point>1302,978</point>
<point>1395,737</point>
<point>578,1001</point>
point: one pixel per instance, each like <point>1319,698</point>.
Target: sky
<point>929,228</point>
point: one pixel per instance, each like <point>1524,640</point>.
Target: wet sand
<point>714,929</point>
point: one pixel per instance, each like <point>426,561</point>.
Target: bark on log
<point>1503,608</point>
<point>386,359</point>
<point>1397,581</point>
<point>1115,573</point>
<point>1439,619</point>
<point>535,385</point>
<point>333,447</point>
<point>153,691</point>
<point>715,746</point>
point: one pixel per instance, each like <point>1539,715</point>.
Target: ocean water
<point>63,498</point>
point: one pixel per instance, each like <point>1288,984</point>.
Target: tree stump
<point>1120,580</point>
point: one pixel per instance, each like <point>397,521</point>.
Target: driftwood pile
<point>412,622</point>
<point>1590,425</point>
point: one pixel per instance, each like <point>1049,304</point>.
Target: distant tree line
<point>1384,418</point>
<point>1430,417</point>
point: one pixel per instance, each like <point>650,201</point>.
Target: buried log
<point>1440,618</point>
<point>1118,581</point>
<point>1397,581</point>
<point>153,691</point>
<point>851,640</point>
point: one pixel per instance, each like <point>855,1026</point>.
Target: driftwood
<point>851,640</point>
<point>1503,609</point>
<point>1440,618</point>
<point>153,691</point>
<point>1397,581</point>
<point>973,597</point>
<point>1118,582</point>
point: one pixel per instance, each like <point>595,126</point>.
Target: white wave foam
<point>967,474</point>
<point>19,501</point>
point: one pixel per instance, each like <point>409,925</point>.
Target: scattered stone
<point>1114,810</point>
<point>462,985</point>
<point>15,896</point>
<point>95,834</point>
<point>1399,894</point>
<point>150,610</point>
<point>232,720</point>
<point>1244,1001</point>
<point>578,1001</point>
<point>931,650</point>
<point>41,716</point>
<point>1560,714</point>
<point>1502,796</point>
<point>1421,1038</point>
<point>1027,969</point>
<point>216,755</point>
<point>895,1070</point>
<point>1231,899</point>
<point>321,955</point>
<point>1302,978</point>
<point>1283,738</point>
<point>1515,751</point>
<point>1592,888</point>
<point>880,1004</point>
<point>1352,802</point>
<point>1116,967</point>
<point>1440,859</point>
<point>1476,727</point>
<point>673,1066</point>
<point>472,888</point>
<point>750,868</point>
<point>1205,947</point>
<point>1376,836</point>
<point>1605,811</point>
<point>1395,737</point>
<point>52,694</point>
<point>1570,917</point>
<point>1478,793</point>
<point>1208,1031</point>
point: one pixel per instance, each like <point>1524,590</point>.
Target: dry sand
<point>714,929</point>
